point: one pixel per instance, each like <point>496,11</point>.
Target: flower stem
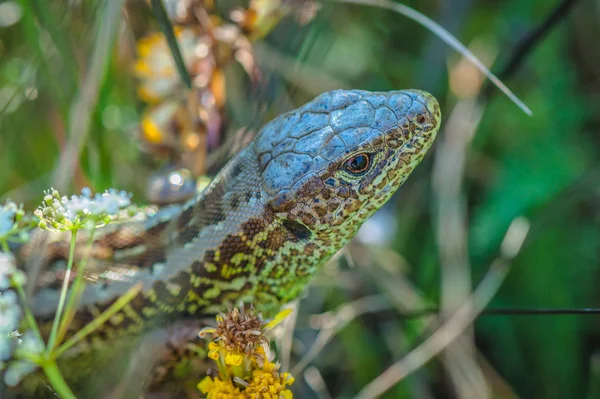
<point>23,299</point>
<point>76,291</point>
<point>5,247</point>
<point>57,380</point>
<point>98,321</point>
<point>27,310</point>
<point>167,28</point>
<point>63,293</point>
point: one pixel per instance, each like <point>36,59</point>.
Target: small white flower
<point>66,214</point>
<point>10,315</point>
<point>18,370</point>
<point>16,335</point>
<point>8,271</point>
<point>6,220</point>
<point>10,311</point>
<point>14,226</point>
<point>31,343</point>
<point>8,216</point>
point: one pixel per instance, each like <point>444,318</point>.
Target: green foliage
<point>542,167</point>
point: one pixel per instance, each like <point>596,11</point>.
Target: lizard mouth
<point>425,123</point>
<point>406,146</point>
<point>428,120</point>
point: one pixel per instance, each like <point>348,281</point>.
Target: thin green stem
<point>98,321</point>
<point>445,36</point>
<point>57,380</point>
<point>27,310</point>
<point>5,247</point>
<point>76,290</point>
<point>47,20</point>
<point>63,292</point>
<point>167,29</point>
<point>84,106</point>
<point>33,32</point>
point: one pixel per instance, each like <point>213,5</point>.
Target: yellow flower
<point>155,66</point>
<point>217,389</point>
<point>213,350</point>
<point>151,131</point>
<point>233,359</point>
<point>239,348</point>
<point>238,335</point>
<point>267,383</point>
<point>206,385</point>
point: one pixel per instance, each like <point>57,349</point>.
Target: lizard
<point>278,211</point>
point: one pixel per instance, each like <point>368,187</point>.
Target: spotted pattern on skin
<point>278,211</point>
<point>395,128</point>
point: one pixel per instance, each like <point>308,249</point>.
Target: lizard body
<point>270,219</point>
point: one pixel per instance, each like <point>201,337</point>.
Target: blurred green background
<point>542,167</point>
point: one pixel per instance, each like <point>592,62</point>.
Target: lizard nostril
<point>421,119</point>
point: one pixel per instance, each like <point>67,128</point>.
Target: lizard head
<point>332,163</point>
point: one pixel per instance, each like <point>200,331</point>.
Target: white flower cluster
<point>19,369</point>
<point>61,213</point>
<point>7,217</point>
<point>111,202</point>
<point>9,274</point>
<point>10,316</point>
<point>10,311</point>
<point>10,214</point>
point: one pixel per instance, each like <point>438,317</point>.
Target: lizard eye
<point>358,164</point>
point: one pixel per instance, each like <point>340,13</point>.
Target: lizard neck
<point>243,251</point>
